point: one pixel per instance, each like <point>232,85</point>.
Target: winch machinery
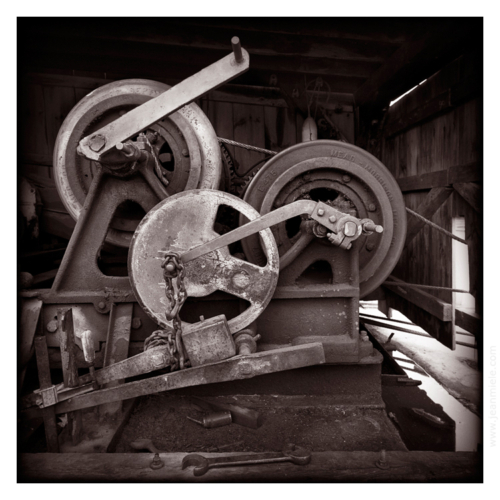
<point>321,225</point>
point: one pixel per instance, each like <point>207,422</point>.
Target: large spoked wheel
<point>185,141</point>
<point>185,221</point>
<point>345,176</point>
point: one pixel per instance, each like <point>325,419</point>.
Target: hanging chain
<point>173,269</point>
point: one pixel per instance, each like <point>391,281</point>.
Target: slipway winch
<point>219,288</point>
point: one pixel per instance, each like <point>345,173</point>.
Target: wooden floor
<point>356,466</point>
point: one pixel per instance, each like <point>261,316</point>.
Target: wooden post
<point>70,371</point>
<point>48,414</point>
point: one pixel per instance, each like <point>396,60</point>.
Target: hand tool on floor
<point>216,419</point>
<point>291,453</point>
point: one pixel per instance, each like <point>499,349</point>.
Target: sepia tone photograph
<point>250,249</point>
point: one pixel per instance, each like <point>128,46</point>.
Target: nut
<point>185,152</point>
<point>52,326</point>
<point>136,323</point>
<point>350,228</point>
<point>101,305</point>
<point>370,246</point>
<point>346,178</point>
<point>372,207</point>
<point>332,218</point>
<point>321,212</point>
<point>241,279</point>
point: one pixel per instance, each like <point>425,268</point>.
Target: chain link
<point>159,172</point>
<point>173,268</point>
<point>163,338</point>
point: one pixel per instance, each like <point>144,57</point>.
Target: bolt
<point>157,463</point>
<point>241,279</point>
<point>170,267</point>
<point>332,218</point>
<point>350,228</point>
<point>321,212</point>
<point>382,463</point>
<point>370,246</point>
<point>101,305</point>
<point>346,178</point>
<point>97,142</point>
<point>136,323</point>
<point>52,326</point>
<point>349,246</point>
<point>245,368</point>
<point>185,152</point>
<point>202,318</point>
<point>372,207</point>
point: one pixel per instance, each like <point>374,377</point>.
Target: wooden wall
<point>432,143</point>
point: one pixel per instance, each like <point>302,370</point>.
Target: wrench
<point>291,453</point>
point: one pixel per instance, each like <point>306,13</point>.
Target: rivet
<point>372,207</point>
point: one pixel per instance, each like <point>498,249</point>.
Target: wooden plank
<point>471,172</point>
<point>443,331</point>
<point>66,334</point>
<point>471,193</point>
<point>470,322</point>
<point>438,308</point>
<point>48,414</point>
<point>431,203</point>
<point>30,313</point>
<point>331,466</point>
<point>474,238</point>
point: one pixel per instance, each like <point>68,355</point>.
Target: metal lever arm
<point>319,211</point>
<point>102,141</point>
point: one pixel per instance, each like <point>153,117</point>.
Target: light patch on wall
<point>406,93</point>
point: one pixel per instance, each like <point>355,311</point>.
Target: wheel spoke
<point>244,280</point>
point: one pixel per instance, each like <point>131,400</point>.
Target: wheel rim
<point>73,174</point>
<point>190,220</point>
<point>324,163</point>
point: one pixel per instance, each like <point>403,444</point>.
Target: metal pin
<point>238,55</point>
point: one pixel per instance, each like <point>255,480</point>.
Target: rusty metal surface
<point>340,168</point>
<point>166,103</point>
<point>117,344</point>
<point>236,368</point>
<point>183,222</point>
<point>208,341</point>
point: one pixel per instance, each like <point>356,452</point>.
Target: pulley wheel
<point>186,142</point>
<point>185,221</point>
<point>348,178</point>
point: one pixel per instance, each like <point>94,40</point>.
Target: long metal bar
<point>168,102</point>
<point>301,207</point>
<point>236,368</point>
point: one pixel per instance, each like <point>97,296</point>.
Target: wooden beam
<point>471,193</point>
<point>427,109</point>
<point>438,308</point>
<point>470,172</point>
<point>417,310</point>
<point>336,466</point>
<point>470,322</point>
<point>416,60</point>
<point>428,207</point>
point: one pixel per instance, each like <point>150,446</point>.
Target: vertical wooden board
<point>280,128</point>
<point>469,140</point>
<point>221,117</point>
<point>58,103</point>
<point>34,138</point>
<point>248,128</point>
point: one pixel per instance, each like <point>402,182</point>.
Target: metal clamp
<point>49,396</point>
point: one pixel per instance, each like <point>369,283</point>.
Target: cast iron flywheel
<point>185,141</point>
<point>185,221</point>
<point>348,178</point>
